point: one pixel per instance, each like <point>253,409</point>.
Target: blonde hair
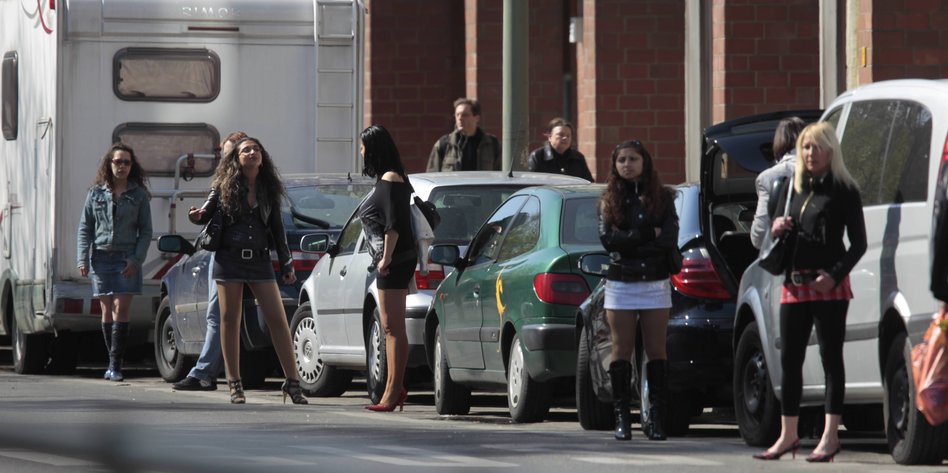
<point>824,135</point>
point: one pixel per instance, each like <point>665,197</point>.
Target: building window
<point>166,75</point>
<point>10,96</point>
<point>159,145</point>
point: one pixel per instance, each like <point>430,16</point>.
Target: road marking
<point>414,457</point>
<point>44,458</point>
<point>646,460</point>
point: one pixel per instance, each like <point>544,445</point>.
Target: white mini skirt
<point>638,295</point>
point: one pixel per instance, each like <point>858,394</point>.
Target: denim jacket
<point>125,226</point>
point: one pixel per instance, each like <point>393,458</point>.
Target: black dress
<point>386,209</point>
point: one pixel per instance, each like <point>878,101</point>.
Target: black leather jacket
<point>570,163</point>
<point>637,254</point>
<point>272,219</point>
<point>939,243</point>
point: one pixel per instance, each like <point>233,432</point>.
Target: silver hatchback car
<point>336,329</point>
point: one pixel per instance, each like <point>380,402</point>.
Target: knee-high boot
<point>107,335</point>
<point>620,373</point>
<point>657,395</point>
<point>119,338</point>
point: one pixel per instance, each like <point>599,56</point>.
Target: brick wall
<point>903,39</point>
<point>631,83</point>
<point>765,56</point>
<point>549,60</point>
<point>414,69</point>
<point>483,43</point>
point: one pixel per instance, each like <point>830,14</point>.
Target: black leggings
<point>796,321</point>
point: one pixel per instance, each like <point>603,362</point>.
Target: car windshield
<point>464,208</point>
<point>330,203</point>
<point>580,222</point>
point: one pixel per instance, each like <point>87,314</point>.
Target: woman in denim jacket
<point>114,234</point>
<point>247,191</point>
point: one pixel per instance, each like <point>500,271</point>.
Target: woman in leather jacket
<point>246,189</point>
<point>824,204</point>
<point>557,156</point>
<point>638,225</point>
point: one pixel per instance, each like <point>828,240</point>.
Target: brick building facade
<point>627,72</point>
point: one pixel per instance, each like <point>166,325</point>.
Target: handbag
<point>424,235</point>
<point>773,257</point>
<point>430,212</point>
<point>930,372</point>
<point>210,236</point>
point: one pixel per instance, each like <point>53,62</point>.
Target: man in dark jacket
<point>557,155</point>
<point>939,243</point>
<point>468,148</point>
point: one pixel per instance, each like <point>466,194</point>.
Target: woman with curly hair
<point>247,191</point>
<point>114,234</point>
<point>638,225</point>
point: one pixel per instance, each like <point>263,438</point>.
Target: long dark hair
<point>654,195</point>
<point>104,175</point>
<point>381,154</point>
<point>785,136</point>
<point>229,179</point>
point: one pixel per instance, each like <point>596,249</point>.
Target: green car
<point>506,315</point>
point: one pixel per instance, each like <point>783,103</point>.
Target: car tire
<point>911,439</point>
<point>678,406</point>
<point>172,365</point>
<point>316,378</point>
<point>528,400</point>
<point>755,405</point>
<point>30,352</point>
<point>376,358</point>
<point>450,398</point>
<point>593,414</point>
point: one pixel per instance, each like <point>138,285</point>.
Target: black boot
<point>657,393</point>
<point>107,334</point>
<point>620,373</point>
<point>119,337</point>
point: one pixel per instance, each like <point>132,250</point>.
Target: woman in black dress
<point>386,219</point>
<point>247,191</point>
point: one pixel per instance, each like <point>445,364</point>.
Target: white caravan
<point>170,79</point>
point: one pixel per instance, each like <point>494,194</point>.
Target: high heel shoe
<point>291,387</point>
<point>400,404</point>
<point>236,392</point>
<point>776,455</point>
<point>825,458</point>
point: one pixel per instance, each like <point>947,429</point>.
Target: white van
<point>894,137</point>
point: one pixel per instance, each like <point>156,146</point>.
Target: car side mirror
<point>595,264</point>
<point>175,244</point>
<point>449,255</point>
<point>315,243</point>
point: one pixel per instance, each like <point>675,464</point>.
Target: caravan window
<point>10,96</point>
<point>159,145</point>
<point>166,75</point>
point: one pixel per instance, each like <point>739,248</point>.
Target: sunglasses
<point>122,162</point>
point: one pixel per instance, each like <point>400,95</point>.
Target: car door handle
<point>477,291</point>
<point>343,271</point>
<point>195,271</point>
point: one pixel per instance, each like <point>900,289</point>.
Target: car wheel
<point>316,378</point>
<point>593,414</point>
<point>376,359</point>
<point>528,400</point>
<point>755,405</point>
<point>911,439</point>
<point>172,365</point>
<point>30,352</point>
<point>678,406</point>
<point>450,398</point>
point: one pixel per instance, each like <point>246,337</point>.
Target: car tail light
<point>432,280</point>
<point>698,277</point>
<point>305,261</point>
<point>944,152</point>
<point>554,288</point>
<point>74,306</point>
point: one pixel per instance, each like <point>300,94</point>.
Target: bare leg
<point>105,304</point>
<point>829,442</point>
<point>268,296</point>
<point>392,313</point>
<point>122,305</point>
<point>654,329</point>
<point>230,297</point>
<point>788,434</point>
<point>622,328</point>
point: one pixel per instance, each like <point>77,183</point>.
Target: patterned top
<point>792,294</point>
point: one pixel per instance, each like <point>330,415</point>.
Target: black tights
<point>796,321</point>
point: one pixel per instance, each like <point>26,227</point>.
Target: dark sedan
<point>315,203</point>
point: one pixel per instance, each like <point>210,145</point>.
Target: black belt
<point>800,278</point>
<point>249,253</point>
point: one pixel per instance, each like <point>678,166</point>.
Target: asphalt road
<point>80,423</point>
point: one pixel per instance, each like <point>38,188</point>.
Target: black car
<point>315,203</point>
<point>715,218</point>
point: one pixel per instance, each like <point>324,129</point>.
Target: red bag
<point>930,369</point>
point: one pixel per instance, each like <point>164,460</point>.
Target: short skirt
<point>106,274</point>
<point>637,295</point>
<point>229,266</point>
<point>399,275</point>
